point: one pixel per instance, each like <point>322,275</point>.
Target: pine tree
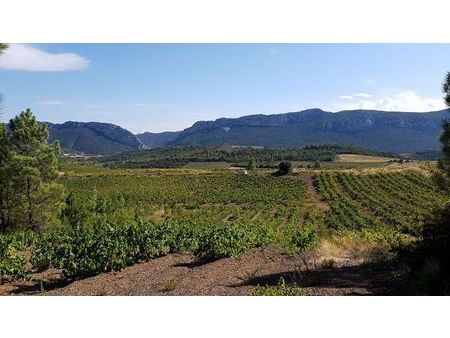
<point>29,195</point>
<point>435,246</point>
<point>444,164</point>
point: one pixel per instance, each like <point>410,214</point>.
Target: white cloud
<point>350,97</point>
<point>408,101</point>
<point>30,58</point>
<point>363,95</point>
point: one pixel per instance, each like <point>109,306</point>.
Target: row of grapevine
<point>191,190</point>
<point>114,221</point>
<point>395,201</point>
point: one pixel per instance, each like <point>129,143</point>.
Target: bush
<point>251,164</point>
<point>84,251</point>
<point>94,209</point>
<point>13,268</point>
<point>305,237</point>
<point>280,290</point>
<point>284,168</point>
<point>429,258</point>
<point>228,240</point>
<point>182,237</point>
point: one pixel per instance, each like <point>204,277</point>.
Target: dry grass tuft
<point>347,246</point>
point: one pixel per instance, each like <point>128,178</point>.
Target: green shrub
<point>85,250</point>
<point>280,290</point>
<point>227,240</point>
<point>284,168</point>
<point>182,237</point>
<point>82,251</point>
<point>20,240</point>
<point>305,237</point>
<point>13,268</point>
<point>94,209</point>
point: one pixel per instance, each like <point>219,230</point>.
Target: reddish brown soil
<point>178,274</point>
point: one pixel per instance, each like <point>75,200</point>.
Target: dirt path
<point>178,274</point>
<point>314,198</point>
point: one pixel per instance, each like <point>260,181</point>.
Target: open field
<point>333,165</point>
<point>211,231</point>
<point>361,158</point>
<point>207,165</point>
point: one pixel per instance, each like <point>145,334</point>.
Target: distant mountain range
<point>158,140</point>
<point>93,138</point>
<point>397,132</point>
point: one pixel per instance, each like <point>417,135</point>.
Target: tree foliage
<point>3,47</point>
<point>252,164</point>
<point>444,163</point>
<point>175,157</point>
<point>29,195</point>
<point>431,257</point>
<point>443,175</point>
<point>284,168</point>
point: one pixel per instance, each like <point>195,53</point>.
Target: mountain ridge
<point>381,130</point>
<point>93,138</point>
<point>395,132</point>
<point>157,140</point>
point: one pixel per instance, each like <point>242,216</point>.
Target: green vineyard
<point>114,217</point>
<point>394,203</point>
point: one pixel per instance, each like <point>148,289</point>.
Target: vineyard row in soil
<point>116,218</point>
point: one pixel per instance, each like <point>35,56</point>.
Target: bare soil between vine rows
<point>178,274</point>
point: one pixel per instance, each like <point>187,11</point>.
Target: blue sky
<point>159,87</point>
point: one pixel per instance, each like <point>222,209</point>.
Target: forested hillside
<point>385,131</point>
<point>157,140</point>
<point>396,132</point>
<point>93,138</point>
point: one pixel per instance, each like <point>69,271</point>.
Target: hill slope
<point>157,140</point>
<point>93,138</point>
<point>386,131</point>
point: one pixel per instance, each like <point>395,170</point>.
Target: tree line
<point>173,157</point>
